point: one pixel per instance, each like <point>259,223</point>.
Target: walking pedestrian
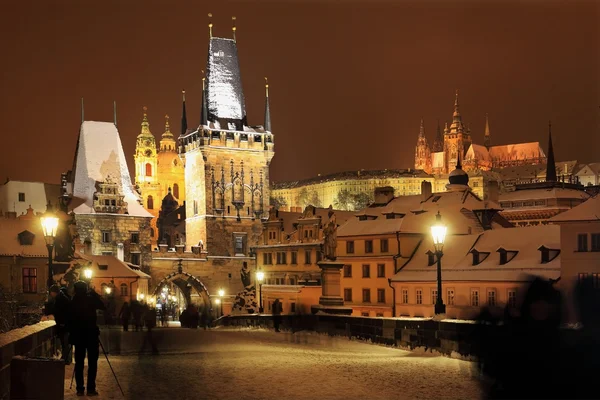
<point>277,308</point>
<point>136,310</point>
<point>84,333</point>
<point>125,314</point>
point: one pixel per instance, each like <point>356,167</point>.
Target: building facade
<point>18,196</point>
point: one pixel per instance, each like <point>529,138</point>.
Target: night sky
<point>349,81</point>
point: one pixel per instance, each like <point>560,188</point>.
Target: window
<point>512,298</point>
<point>105,237</point>
<point>450,299</point>
<point>379,315</point>
<point>176,190</point>
<point>384,245</point>
<point>294,255</point>
<point>364,314</point>
<point>366,270</point>
<point>148,169</point>
<point>319,255</point>
<point>239,244</point>
<point>21,197</point>
<point>491,297</point>
<point>595,241</point>
<point>135,237</point>
<point>404,296</point>
<point>293,307</point>
<point>366,295</point>
<point>434,294</point>
<point>368,246</point>
<point>350,247</point>
<point>150,203</point>
<point>135,258</point>
<point>29,280</point>
<point>281,257</point>
<point>381,270</point>
<point>347,294</point>
<point>419,296</point>
<point>582,240</point>
<point>475,297</point>
<point>381,295</point>
<point>347,271</point>
<point>123,289</point>
<point>307,257</point>
<point>195,207</point>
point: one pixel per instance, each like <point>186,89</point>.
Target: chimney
<point>426,190</point>
<point>383,195</point>
<point>493,192</point>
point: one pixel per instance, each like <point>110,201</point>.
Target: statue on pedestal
<point>330,237</point>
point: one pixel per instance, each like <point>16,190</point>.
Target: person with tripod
<point>84,334</point>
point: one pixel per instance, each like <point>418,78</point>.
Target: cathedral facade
<point>456,142</point>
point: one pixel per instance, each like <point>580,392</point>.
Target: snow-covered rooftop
<point>544,193</point>
<point>112,267</point>
<point>517,151</point>
<point>587,211</point>
<point>477,152</point>
<point>10,228</point>
<point>99,157</point>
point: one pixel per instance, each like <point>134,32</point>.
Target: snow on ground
<point>259,364</point>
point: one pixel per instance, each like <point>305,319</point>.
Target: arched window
<point>148,169</point>
<point>150,203</point>
<point>123,289</point>
<point>176,190</point>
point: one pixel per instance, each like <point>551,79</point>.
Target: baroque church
<point>456,142</point>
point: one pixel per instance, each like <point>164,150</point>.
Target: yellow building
<point>156,170</point>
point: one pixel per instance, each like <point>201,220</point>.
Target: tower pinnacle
<point>145,125</point>
<point>422,129</point>
<point>183,116</point>
<point>233,28</point>
<point>487,139</point>
<point>267,107</point>
<point>438,143</point>
<point>550,164</point>
<point>210,25</point>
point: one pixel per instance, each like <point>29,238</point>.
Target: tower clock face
<point>147,143</point>
<point>148,153</point>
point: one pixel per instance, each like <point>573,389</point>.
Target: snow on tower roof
<point>521,151</point>
<point>100,157</point>
<point>457,261</point>
<point>587,211</point>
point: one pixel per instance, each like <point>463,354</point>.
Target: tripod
<point>111,368</point>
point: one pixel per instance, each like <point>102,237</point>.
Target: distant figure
<point>59,308</point>
<point>136,310</point>
<point>149,317</point>
<point>277,308</point>
<point>125,314</point>
<point>84,333</point>
<point>163,318</point>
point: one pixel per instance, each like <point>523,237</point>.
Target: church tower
<point>457,139</point>
<point>226,162</point>
<point>171,173</point>
<point>422,151</point>
<point>146,169</point>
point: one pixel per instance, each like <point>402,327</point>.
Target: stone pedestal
<point>331,300</point>
<point>163,248</point>
<point>179,248</point>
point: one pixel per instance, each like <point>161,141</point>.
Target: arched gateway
<point>190,287</point>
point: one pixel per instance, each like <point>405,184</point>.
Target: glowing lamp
<point>217,301</point>
<point>142,296</point>
<point>87,273</point>
<point>438,233</point>
<point>221,293</point>
<point>260,276</point>
<point>49,227</point>
<point>108,290</point>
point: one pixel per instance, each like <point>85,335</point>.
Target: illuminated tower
<point>422,151</point>
<point>457,139</point>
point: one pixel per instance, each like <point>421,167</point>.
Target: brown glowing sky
<point>349,80</point>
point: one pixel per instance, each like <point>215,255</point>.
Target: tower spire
<point>145,125</point>
<point>550,164</point>
<point>487,139</point>
<point>210,25</point>
<point>115,112</point>
<point>167,125</point>
<point>204,107</point>
<point>267,107</point>
<point>438,143</point>
<point>422,129</point>
<point>233,28</point>
<point>456,112</point>
<point>82,114</point>
<point>183,116</point>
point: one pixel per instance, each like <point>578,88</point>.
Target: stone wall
<point>31,341</point>
<point>449,338</point>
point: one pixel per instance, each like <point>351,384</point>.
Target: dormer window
<point>548,254</point>
<point>506,255</point>
<point>480,256</point>
<point>26,238</point>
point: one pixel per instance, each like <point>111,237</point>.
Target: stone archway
<point>187,284</point>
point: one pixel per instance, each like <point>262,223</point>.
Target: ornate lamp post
<point>49,226</point>
<point>221,294</point>
<point>438,233</point>
<point>260,276</point>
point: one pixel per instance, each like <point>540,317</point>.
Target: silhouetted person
<point>84,334</point>
<point>149,317</point>
<point>136,310</point>
<point>125,315</point>
<point>277,308</point>
<point>58,307</point>
<point>184,318</point>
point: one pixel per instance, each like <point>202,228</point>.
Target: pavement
<point>260,364</point>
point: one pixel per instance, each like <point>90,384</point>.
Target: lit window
<point>512,298</point>
<point>450,297</point>
<point>123,289</point>
<point>434,294</point>
<point>475,297</point>
<point>419,296</point>
<point>29,280</point>
<point>491,298</point>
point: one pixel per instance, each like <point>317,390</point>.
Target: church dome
<point>169,203</point>
<point>458,176</point>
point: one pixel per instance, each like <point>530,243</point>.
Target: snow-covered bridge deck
<point>261,364</point>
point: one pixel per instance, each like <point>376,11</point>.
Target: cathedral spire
<point>145,125</point>
<point>204,109</point>
<point>115,112</point>
<point>487,139</point>
<point>233,28</point>
<point>438,143</point>
<point>550,164</point>
<point>183,116</point>
<point>267,107</point>
<point>210,25</point>
<point>167,132</point>
<point>456,112</point>
<point>422,129</point>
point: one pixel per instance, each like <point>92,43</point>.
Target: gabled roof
<point>10,228</point>
<point>587,211</point>
<point>100,157</point>
<point>544,193</point>
<point>477,152</point>
<point>457,261</point>
<point>518,151</point>
<point>112,267</point>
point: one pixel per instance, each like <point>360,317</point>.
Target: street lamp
<point>438,234</point>
<point>49,226</point>
<point>217,302</point>
<point>108,290</point>
<point>221,294</point>
<point>87,274</point>
<point>259,277</point>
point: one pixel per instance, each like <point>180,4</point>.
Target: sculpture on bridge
<point>330,237</point>
<point>245,301</point>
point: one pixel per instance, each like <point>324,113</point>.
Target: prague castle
<point>457,142</point>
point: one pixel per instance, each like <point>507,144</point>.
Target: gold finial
<point>167,126</point>
<point>203,81</point>
<point>183,94</point>
<point>145,110</point>
<point>210,25</point>
<point>267,86</point>
<point>233,28</point>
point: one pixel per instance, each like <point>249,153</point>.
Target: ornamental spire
<point>267,107</point>
<point>233,28</point>
<point>487,139</point>
<point>422,129</point>
<point>438,144</point>
<point>204,106</point>
<point>550,164</point>
<point>183,116</point>
<point>145,125</point>
<point>210,25</point>
<point>167,126</point>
